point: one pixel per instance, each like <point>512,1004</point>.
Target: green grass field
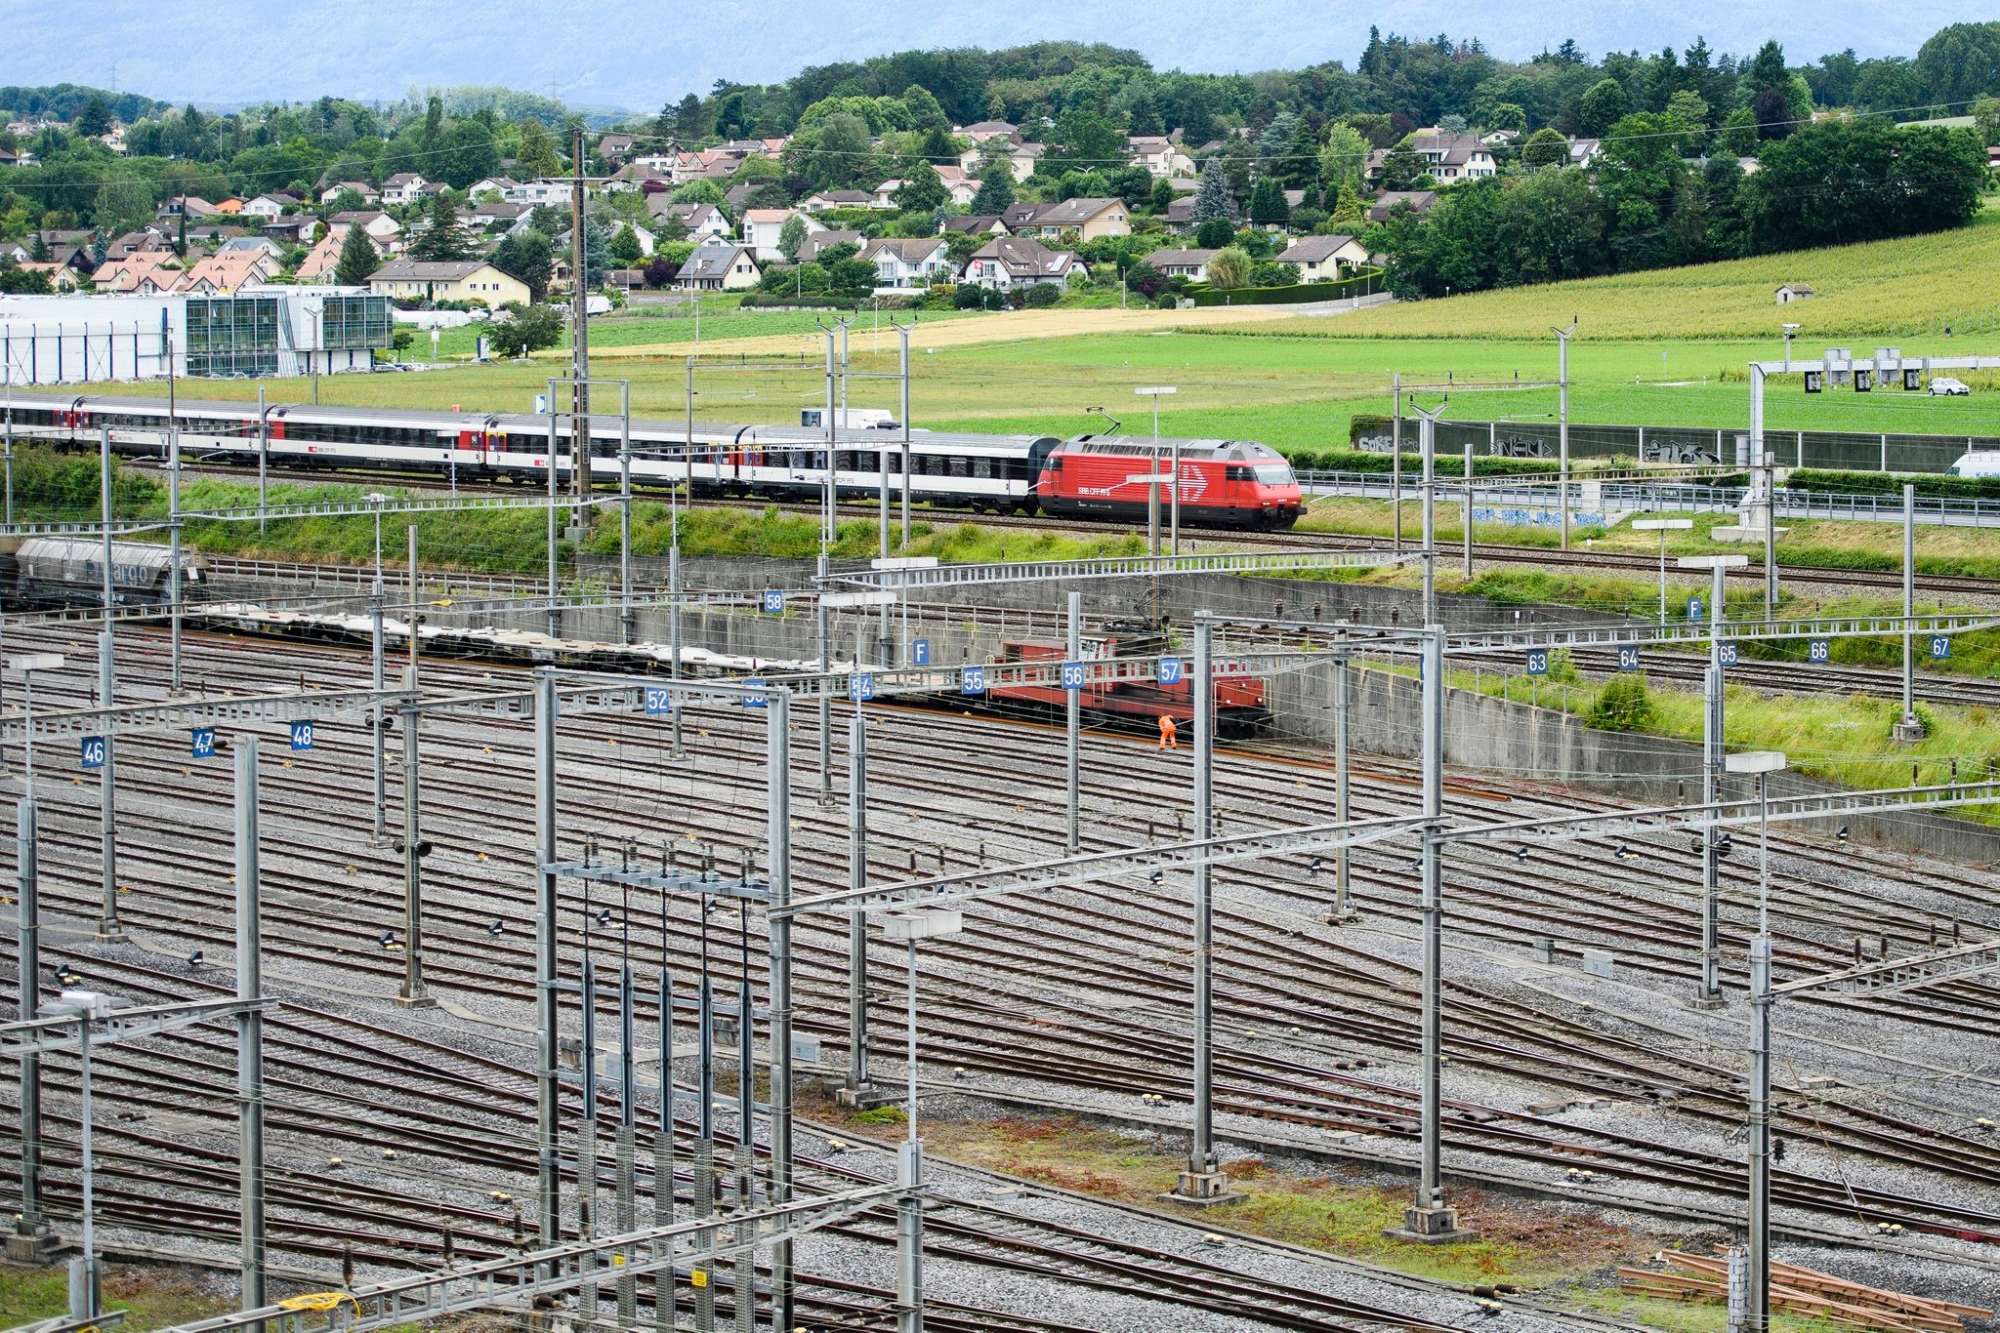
<point>1663,348</point>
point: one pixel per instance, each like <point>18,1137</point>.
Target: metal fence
<point>1843,451</point>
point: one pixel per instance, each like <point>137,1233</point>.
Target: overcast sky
<point>624,53</point>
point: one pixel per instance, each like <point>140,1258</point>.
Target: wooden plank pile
<point>1801,1291</point>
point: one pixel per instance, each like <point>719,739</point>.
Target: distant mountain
<point>639,55</point>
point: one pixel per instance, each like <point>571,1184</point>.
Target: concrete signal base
<point>1203,1189</point>
<point>1431,1226</point>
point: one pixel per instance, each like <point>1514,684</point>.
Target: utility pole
<point>1072,703</point>
<point>903,331</point>
<point>30,1238</point>
<point>108,927</point>
<point>414,995</point>
<point>548,1086</point>
<point>1709,994</point>
<point>1910,729</point>
<point>825,700</point>
<point>1562,428</point>
<point>856,1092</point>
<point>779,926</point>
<point>1396,455</point>
<point>1427,436</point>
<point>249,1027</point>
<point>1343,908</point>
<point>579,301</point>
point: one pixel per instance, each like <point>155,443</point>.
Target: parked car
<point>1947,387</point>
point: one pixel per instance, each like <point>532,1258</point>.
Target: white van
<point>1979,463</point>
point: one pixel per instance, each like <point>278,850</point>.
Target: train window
<point>1235,472</point>
<point>1274,474</point>
<point>866,460</point>
<point>957,463</point>
<point>982,468</point>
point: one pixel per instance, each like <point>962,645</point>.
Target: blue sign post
<point>1538,662</point>
<point>1819,651</point>
<point>1940,647</point>
<point>920,652</point>
<point>772,603</point>
<point>972,680</point>
<point>659,699</point>
<point>1628,659</point>
<point>861,687</point>
<point>1694,610</point>
<point>755,696</point>
<point>1726,653</point>
<point>203,744</point>
<point>1072,675</point>
<point>1172,670</point>
<point>92,752</point>
<point>302,735</point>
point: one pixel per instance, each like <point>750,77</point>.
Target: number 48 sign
<point>302,735</point>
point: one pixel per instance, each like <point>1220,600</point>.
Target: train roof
<point>528,423</point>
<point>1145,446</point>
<point>149,555</point>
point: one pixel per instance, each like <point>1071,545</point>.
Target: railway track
<point>1314,1030</point>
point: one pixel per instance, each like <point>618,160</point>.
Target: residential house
<point>718,265</point>
<point>1179,216</point>
<point>15,251</point>
<point>1090,219</point>
<point>265,207</point>
<point>382,229</point>
<point>363,188</point>
<point>262,245</point>
<point>229,207</point>
<point>903,262</point>
<point>185,206</point>
<point>499,213</point>
<point>975,224</point>
<point>402,189</point>
<point>1007,262</point>
<point>9,158</point>
<point>1448,158</point>
<point>884,196</point>
<point>460,280</point>
<point>292,229</point>
<point>613,148</point>
<point>1159,155</point>
<point>1181,263</point>
<point>562,244</point>
<point>143,273</point>
<point>818,242</point>
<point>980,131</point>
<point>962,188</point>
<point>701,220</point>
<point>632,177</point>
<point>430,190</point>
<point>61,279</point>
<point>323,258</point>
<point>1794,291</point>
<point>1499,138</point>
<point>133,241</point>
<point>503,186</point>
<point>226,270</point>
<point>1325,256</point>
<point>831,199</point>
<point>1583,152</point>
<point>763,226</point>
<point>1418,201</point>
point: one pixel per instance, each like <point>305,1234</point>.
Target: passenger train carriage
<point>1233,483</point>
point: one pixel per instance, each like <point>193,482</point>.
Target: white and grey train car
<point>69,571</point>
<point>994,473</point>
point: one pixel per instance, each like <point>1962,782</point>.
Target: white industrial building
<point>254,332</point>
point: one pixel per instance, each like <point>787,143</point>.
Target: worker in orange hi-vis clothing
<point>1169,735</point>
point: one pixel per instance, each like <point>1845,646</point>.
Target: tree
<point>1214,233</point>
<point>1600,108</point>
<point>18,281</point>
<point>596,252</point>
<point>1405,169</point>
<point>625,247</point>
<point>1348,214</point>
<point>834,153</point>
<point>1961,62</point>
<point>702,191</point>
<point>791,236</point>
<point>1507,116</point>
<point>94,120</point>
<point>1738,136</point>
<point>922,190</point>
<point>1212,202</point>
<point>1228,268</point>
<point>358,258</point>
<point>1687,107</point>
<point>996,188</point>
<point>689,126</point>
<point>1274,275</point>
<point>433,122</point>
<point>536,157</point>
<point>923,109</point>
<point>122,203</point>
<point>661,271</point>
<point>1267,203</point>
<point>445,239</point>
<point>524,329</point>
<point>467,154</point>
<point>1343,161</point>
<point>1546,147</point>
<point>1986,120</point>
<point>1080,140</point>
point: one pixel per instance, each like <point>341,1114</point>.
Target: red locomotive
<point>1239,700</point>
<point>1222,483</point>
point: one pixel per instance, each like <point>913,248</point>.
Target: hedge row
<point>1891,483</point>
<point>1304,291</point>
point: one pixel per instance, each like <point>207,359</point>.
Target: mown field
<point>1906,288</point>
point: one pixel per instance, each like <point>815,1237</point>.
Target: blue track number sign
<point>972,680</point>
<point>1172,670</point>
<point>754,696</point>
<point>772,603</point>
<point>1940,646</point>
<point>1726,653</point>
<point>1628,659</point>
<point>302,735</point>
<point>92,751</point>
<point>659,699</point>
<point>1072,675</point>
<point>861,687</point>
<point>1819,651</point>
<point>202,745</point>
<point>1538,662</point>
